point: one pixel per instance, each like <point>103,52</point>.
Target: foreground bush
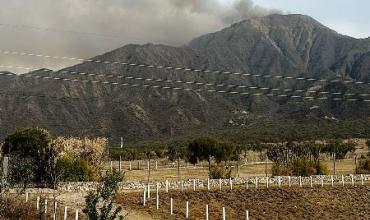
<point>220,172</point>
<point>15,208</point>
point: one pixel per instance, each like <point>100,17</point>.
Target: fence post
<point>171,206</point>
<point>111,165</point>
<point>322,181</point>
<point>300,181</point>
<point>120,164</point>
<point>220,184</point>
<point>144,196</point>
<point>65,212</point>
<point>208,188</point>
<point>289,181</point>
<point>76,216</point>
<point>46,206</point>
<point>279,181</point>
<point>130,168</point>
<point>38,203</point>
<point>267,182</point>
<point>352,180</point>
<point>182,185</point>
<point>246,214</point>
<point>342,180</point>
<point>206,212</point>
<point>166,186</point>
<point>223,213</point>
<point>157,196</point>
<point>311,181</point>
<point>194,185</point>
<point>332,181</point>
<point>55,210</point>
<point>256,182</point>
<point>187,210</point>
<point>247,183</point>
<point>156,165</point>
<point>231,184</point>
<point>26,196</point>
<point>148,190</point>
<point>362,179</point>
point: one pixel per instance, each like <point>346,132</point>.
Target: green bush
<point>363,166</point>
<point>220,172</point>
<point>299,167</point>
<point>76,169</point>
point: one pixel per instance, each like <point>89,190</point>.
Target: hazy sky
<point>63,27</point>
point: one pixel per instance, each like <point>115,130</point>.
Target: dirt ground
<point>287,203</point>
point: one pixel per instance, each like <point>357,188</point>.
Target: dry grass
<point>287,203</point>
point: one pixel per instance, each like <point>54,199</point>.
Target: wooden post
<point>279,181</point>
<point>289,181</point>
<point>38,203</point>
<point>76,215</point>
<point>352,180</point>
<point>208,187</point>
<point>26,196</point>
<point>144,197</point>
<point>342,180</point>
<point>111,165</point>
<point>187,210</point>
<point>171,206</point>
<point>166,186</point>
<point>223,213</point>
<point>148,190</point>
<point>267,182</point>
<point>220,184</point>
<point>194,185</point>
<point>130,168</point>
<point>156,165</point>
<point>322,182</point>
<point>120,164</point>
<point>256,183</point>
<point>247,183</point>
<point>55,210</point>
<point>206,212</point>
<point>246,214</point>
<point>332,181</point>
<point>311,182</point>
<point>65,212</point>
<point>362,179</point>
<point>300,181</point>
<point>46,206</point>
<point>157,197</point>
<point>231,184</point>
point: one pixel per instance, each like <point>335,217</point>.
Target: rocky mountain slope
<point>284,45</point>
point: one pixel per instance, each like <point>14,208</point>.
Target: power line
<point>154,86</point>
<point>187,69</point>
<point>196,83</point>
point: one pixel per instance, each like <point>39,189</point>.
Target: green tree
<point>202,149</point>
<point>33,144</point>
<point>99,204</point>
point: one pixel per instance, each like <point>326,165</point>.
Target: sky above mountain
<point>85,28</point>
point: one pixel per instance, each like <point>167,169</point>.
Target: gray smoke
<point>172,22</point>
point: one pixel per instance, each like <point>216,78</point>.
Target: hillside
<point>287,45</point>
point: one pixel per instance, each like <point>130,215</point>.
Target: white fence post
<point>65,212</point>
<point>148,190</point>
<point>130,168</point>
<point>171,206</point>
<point>256,183</point>
<point>220,184</point>
<point>289,181</point>
<point>300,181</point>
<point>279,181</point>
<point>194,185</point>
<point>247,183</point>
<point>223,213</point>
<point>156,165</point>
<point>322,181</point>
<point>352,180</point>
<point>182,185</point>
<point>167,186</point>
<point>267,182</point>
<point>76,216</point>
<point>362,179</point>
<point>157,197</point>
<point>342,180</point>
<point>208,187</point>
<point>26,196</point>
<point>144,196</point>
<point>246,214</point>
<point>231,184</point>
<point>206,212</point>
<point>38,203</point>
<point>187,210</point>
<point>311,182</point>
<point>55,210</point>
<point>46,206</point>
<point>332,181</point>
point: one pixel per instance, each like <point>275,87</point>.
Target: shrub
<point>76,169</point>
<point>299,167</point>
<point>363,166</point>
<point>220,172</point>
<point>15,208</point>
<point>99,204</point>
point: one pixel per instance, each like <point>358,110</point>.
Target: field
<point>287,203</point>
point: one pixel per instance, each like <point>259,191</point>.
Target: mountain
<point>284,45</point>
